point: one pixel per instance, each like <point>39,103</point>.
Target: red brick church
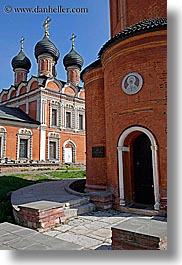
<point>126,107</point>
<point>43,118</point>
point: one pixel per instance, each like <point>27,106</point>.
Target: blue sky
<point>92,30</point>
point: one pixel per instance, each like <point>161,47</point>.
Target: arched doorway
<point>138,167</point>
<point>69,152</point>
<point>142,170</point>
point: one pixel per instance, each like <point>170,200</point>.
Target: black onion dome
<point>21,61</point>
<point>46,46</point>
<point>73,58</point>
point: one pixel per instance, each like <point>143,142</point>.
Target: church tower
<point>46,54</point>
<point>73,63</point>
<point>21,65</point>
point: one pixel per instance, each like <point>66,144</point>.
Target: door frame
<point>122,148</point>
<point>73,150</point>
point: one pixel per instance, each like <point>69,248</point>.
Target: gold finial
<point>22,43</point>
<point>73,37</point>
<point>46,26</point>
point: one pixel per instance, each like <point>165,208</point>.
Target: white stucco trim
<point>121,148</point>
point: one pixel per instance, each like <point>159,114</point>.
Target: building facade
<point>43,118</point>
<point>126,108</point>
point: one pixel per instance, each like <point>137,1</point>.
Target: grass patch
<point>16,181</point>
<point>68,175</point>
<point>67,168</point>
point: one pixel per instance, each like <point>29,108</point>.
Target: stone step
<point>86,208</point>
<point>80,201</point>
<point>81,209</point>
<point>70,213</point>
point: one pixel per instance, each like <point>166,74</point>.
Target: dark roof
<point>93,65</point>
<point>147,25</point>
<point>21,61</point>
<point>15,114</point>
<point>46,46</point>
<point>73,58</point>
<point>144,26</point>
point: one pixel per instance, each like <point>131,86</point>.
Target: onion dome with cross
<point>73,58</point>
<point>21,60</point>
<point>45,45</point>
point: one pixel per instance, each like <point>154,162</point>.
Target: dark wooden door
<point>143,174</point>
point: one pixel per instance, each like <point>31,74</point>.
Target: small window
<point>68,119</point>
<point>23,149</point>
<point>80,122</point>
<point>52,150</point>
<point>54,117</point>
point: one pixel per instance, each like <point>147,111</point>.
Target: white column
<point>76,118</point>
<point>38,110</point>
<point>121,175</point>
<point>42,143</point>
<point>155,177</point>
<point>43,112</point>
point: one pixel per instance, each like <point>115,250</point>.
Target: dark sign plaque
<point>98,151</point>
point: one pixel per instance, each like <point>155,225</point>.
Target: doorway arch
<point>69,152</point>
<point>123,146</point>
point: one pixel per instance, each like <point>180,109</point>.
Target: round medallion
<point>132,83</point>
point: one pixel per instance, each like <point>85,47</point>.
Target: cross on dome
<point>73,37</point>
<point>46,26</point>
<point>22,43</point>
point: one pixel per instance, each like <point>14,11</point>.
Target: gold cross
<point>73,37</point>
<point>46,26</point>
<point>22,43</point>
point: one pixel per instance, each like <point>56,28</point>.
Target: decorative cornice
<point>145,26</point>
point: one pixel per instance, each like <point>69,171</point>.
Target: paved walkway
<point>53,191</point>
<point>14,237</point>
<point>92,231</point>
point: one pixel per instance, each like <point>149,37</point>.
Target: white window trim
<point>71,122</point>
<point>3,142</point>
<point>54,137</point>
<point>25,134</point>
<point>83,114</point>
<point>57,118</point>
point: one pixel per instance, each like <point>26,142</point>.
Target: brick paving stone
<point>63,228</point>
<point>81,230</point>
<point>95,225</point>
<point>20,243</point>
<point>103,232</point>
<point>3,232</point>
<point>82,240</point>
<point>8,237</point>
<point>37,246</point>
<point>112,220</point>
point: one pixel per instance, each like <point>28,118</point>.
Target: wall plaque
<point>98,151</point>
<point>132,83</point>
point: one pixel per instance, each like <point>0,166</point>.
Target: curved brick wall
<point>109,111</point>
